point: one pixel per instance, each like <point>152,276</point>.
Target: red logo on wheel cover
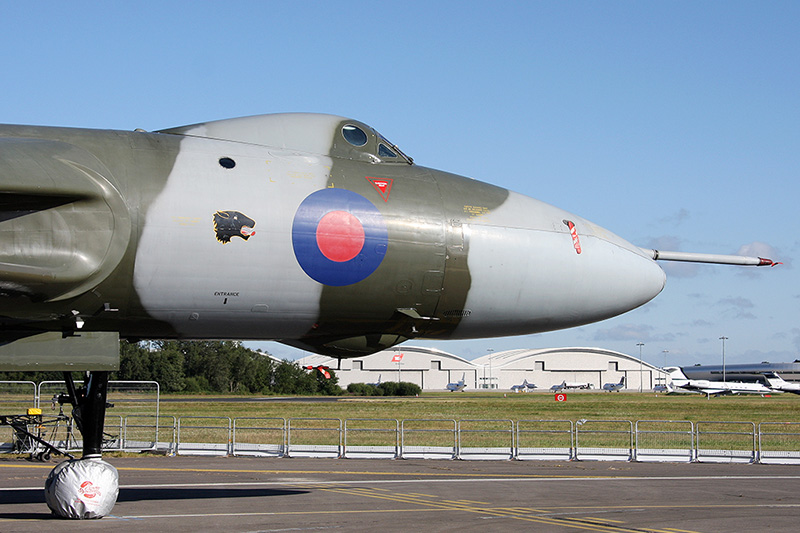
<point>89,490</point>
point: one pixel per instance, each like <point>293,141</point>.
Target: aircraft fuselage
<point>287,227</point>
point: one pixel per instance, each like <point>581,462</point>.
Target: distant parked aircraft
<point>615,387</point>
<point>459,386</point>
<point>778,384</point>
<point>715,388</point>
<point>577,385</point>
<point>524,386</point>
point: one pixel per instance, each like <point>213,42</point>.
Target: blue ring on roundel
<point>306,247</point>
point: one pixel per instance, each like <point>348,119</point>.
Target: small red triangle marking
<point>382,185</point>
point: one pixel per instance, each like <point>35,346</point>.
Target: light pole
<point>723,339</point>
<point>665,352</point>
<point>640,344</point>
<point>491,378</point>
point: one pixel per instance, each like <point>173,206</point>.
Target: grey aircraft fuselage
<point>312,230</point>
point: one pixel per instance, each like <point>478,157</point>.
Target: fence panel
<point>314,437</point>
<point>150,432</point>
<point>428,438</point>
<point>261,437</point>
<point>725,442</point>
<point>204,435</point>
<point>371,438</point>
<point>485,439</point>
<point>114,425</point>
<point>604,440</point>
<point>664,440</point>
<point>779,442</point>
<point>16,397</point>
<point>545,440</point>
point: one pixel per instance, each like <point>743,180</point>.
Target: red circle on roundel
<point>340,236</point>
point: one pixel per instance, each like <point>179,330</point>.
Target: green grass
<point>429,419</point>
<point>496,406</point>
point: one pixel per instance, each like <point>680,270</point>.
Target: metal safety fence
<point>604,440</point>
<point>726,442</point>
<point>469,439</point>
<point>664,440</point>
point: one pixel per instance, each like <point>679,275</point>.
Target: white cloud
<point>676,219</point>
<point>737,302</point>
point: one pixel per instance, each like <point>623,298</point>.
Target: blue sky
<point>673,124</point>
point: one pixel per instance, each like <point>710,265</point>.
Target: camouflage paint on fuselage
<point>135,167</point>
<point>309,229</point>
<point>420,287</point>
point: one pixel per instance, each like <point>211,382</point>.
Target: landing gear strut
<point>86,487</point>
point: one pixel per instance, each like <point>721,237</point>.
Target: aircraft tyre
<point>81,489</point>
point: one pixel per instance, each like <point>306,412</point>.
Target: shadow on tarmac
<point>23,496</point>
<point>193,493</point>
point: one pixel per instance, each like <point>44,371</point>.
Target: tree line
<point>207,367</point>
<point>221,367</point>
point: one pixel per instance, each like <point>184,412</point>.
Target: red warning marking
<point>576,242</point>
<point>397,358</point>
<point>322,368</point>
<point>340,236</point>
<point>382,185</point>
<point>561,397</point>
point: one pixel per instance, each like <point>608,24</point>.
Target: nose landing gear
<point>86,487</point>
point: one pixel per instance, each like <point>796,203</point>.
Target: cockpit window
<point>354,135</point>
<point>384,151</point>
<point>362,143</point>
<point>389,150</point>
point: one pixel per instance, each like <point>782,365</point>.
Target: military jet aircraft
<point>524,386</point>
<point>312,230</point>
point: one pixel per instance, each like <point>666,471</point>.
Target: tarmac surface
<point>269,494</point>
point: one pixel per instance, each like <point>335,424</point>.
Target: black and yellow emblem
<point>229,224</point>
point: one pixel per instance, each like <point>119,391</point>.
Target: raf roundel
<point>339,237</point>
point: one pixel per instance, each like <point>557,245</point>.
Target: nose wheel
<point>85,488</point>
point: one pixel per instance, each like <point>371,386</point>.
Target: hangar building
<point>433,369</point>
<point>743,372</point>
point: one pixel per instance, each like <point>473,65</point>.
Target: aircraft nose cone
<point>537,268</point>
<point>610,276</point>
<point>639,278</point>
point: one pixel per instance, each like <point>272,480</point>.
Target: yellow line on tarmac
<point>343,472</point>
<point>448,505</point>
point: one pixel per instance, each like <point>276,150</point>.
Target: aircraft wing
<point>715,391</point>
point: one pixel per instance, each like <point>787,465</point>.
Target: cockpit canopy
<point>303,132</point>
<point>367,144</point>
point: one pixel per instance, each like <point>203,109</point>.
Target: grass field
<point>509,406</point>
<point>431,418</point>
<point>464,406</point>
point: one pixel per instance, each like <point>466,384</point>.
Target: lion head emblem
<point>229,224</point>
